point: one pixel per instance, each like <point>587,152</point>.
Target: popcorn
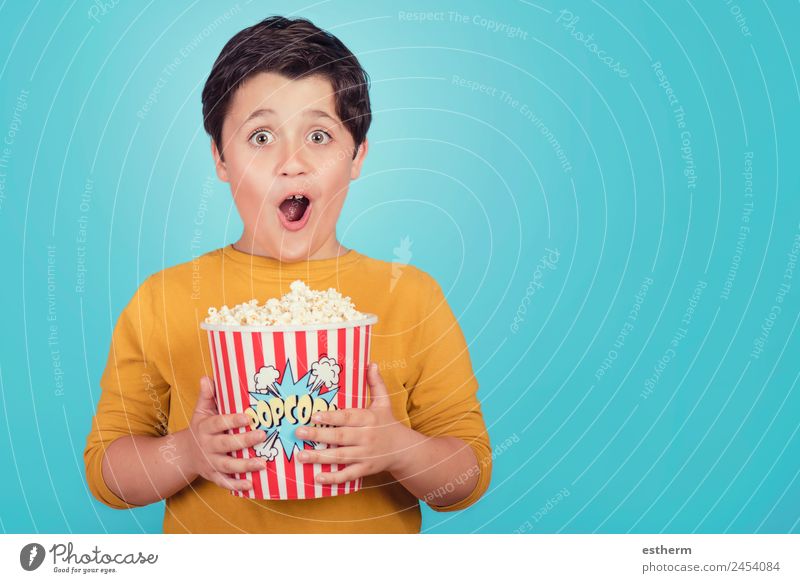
<point>300,306</point>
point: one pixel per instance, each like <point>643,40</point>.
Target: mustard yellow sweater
<point>159,352</point>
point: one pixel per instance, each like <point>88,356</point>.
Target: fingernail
<point>301,431</point>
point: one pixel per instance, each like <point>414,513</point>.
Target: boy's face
<point>283,137</point>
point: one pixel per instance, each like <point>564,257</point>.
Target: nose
<point>293,160</point>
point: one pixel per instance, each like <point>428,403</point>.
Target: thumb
<point>379,394</point>
<point>206,403</point>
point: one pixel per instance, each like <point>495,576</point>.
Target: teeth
<point>296,197</point>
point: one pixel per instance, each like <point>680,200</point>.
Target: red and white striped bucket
<point>279,376</point>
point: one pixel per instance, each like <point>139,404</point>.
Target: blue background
<point>556,151</point>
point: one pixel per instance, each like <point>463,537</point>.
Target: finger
<point>229,483</point>
<point>230,465</point>
<point>331,455</point>
<point>329,435</point>
<point>344,417</point>
<point>351,472</point>
<point>206,402</point>
<point>225,443</point>
<point>378,393</point>
<point>220,423</point>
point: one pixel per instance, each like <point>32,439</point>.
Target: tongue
<point>294,209</point>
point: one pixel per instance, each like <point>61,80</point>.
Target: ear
<point>358,161</point>
<point>219,163</point>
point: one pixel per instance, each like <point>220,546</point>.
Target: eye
<point>262,138</point>
<point>320,137</point>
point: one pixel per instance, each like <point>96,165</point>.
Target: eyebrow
<point>310,113</point>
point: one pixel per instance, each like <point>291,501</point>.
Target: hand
<point>371,440</point>
<point>209,444</point>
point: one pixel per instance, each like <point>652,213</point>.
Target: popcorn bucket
<point>279,376</point>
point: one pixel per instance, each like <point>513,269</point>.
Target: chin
<point>295,252</point>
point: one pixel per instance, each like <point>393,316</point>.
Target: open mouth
<point>294,211</point>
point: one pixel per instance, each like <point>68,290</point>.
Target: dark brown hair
<point>294,48</point>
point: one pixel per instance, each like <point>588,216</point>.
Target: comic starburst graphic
<point>288,386</point>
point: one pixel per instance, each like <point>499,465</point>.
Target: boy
<point>287,109</point>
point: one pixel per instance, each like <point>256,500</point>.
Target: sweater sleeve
<point>443,393</point>
<point>134,397</point>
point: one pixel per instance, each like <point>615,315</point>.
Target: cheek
<point>252,204</point>
<point>337,180</point>
<point>249,187</point>
<point>335,193</point>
